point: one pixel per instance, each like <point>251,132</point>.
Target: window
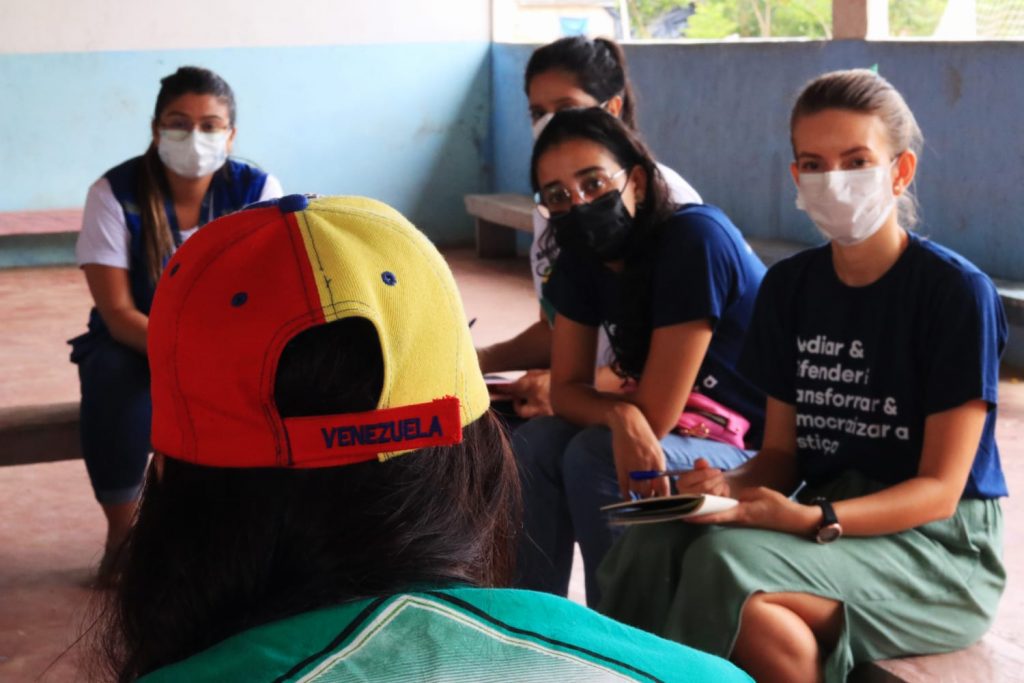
<point>542,21</point>
<point>545,20</point>
<point>966,19</point>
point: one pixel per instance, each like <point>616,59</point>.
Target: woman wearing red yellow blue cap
<point>331,497</point>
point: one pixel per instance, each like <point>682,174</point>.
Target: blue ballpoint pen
<point>641,475</point>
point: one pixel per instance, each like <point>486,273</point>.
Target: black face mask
<point>600,229</point>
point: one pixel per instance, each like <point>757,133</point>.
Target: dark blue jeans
<point>115,417</point>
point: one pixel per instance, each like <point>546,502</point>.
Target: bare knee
<point>775,644</point>
<point>823,616</point>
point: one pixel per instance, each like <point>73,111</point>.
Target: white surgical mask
<point>540,124</point>
<point>847,206</point>
<point>194,154</point>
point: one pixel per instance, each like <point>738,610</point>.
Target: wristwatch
<point>829,529</point>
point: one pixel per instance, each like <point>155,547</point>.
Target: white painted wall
<point>105,25</point>
<point>518,23</point>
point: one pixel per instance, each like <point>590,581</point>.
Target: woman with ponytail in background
<point>571,73</point>
<point>135,216</point>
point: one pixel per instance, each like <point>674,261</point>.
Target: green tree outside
<point>718,19</point>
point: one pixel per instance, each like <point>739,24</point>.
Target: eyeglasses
<point>182,125</point>
<point>555,200</point>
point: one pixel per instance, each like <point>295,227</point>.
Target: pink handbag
<point>705,418</point>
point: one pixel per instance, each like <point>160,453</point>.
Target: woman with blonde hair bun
<point>879,353</point>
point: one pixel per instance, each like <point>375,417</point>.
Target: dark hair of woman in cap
<point>216,551</point>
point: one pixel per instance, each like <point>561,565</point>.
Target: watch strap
<point>828,513</point>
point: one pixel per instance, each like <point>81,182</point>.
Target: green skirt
<point>923,591</point>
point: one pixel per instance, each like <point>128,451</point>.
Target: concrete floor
<point>51,530</point>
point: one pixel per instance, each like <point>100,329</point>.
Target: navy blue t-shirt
<point>865,366</point>
<point>703,270</point>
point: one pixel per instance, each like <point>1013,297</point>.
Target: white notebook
<point>666,508</point>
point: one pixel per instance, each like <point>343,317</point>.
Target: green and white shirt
<point>455,634</point>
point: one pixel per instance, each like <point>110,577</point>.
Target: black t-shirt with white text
<point>865,366</point>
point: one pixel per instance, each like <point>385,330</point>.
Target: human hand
<point>636,448</point>
<point>703,478</point>
<point>765,508</point>
<point>530,394</point>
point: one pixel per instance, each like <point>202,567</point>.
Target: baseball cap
<point>241,288</point>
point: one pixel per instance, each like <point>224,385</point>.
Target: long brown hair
<point>630,336</point>
<point>152,187</point>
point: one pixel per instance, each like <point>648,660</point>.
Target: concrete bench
<point>498,218</point>
<point>1012,293</point>
<point>990,659</point>
<point>50,222</point>
<point>42,433</point>
<point>38,238</point>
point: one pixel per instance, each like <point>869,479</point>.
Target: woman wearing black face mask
<point>675,287</point>
<point>570,73</point>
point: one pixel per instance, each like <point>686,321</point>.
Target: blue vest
<point>234,186</point>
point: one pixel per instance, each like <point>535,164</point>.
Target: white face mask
<point>540,124</point>
<point>194,154</point>
<point>847,206</point>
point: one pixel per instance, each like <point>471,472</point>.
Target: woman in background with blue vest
<point>135,216</point>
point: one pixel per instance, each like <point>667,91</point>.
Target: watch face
<point>829,533</point>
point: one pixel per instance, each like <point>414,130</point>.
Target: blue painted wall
<point>417,126</point>
<point>405,123</point>
<point>718,113</point>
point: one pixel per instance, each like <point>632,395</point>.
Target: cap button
<point>292,203</point>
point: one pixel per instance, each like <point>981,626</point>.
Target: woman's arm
<point>951,440</point>
<point>529,349</point>
<point>774,466</point>
<point>111,291</point>
<point>674,359</point>
<point>573,397</point>
<point>675,356</point>
<point>638,421</point>
<point>573,350</point>
<point>950,443</point>
<point>102,252</point>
